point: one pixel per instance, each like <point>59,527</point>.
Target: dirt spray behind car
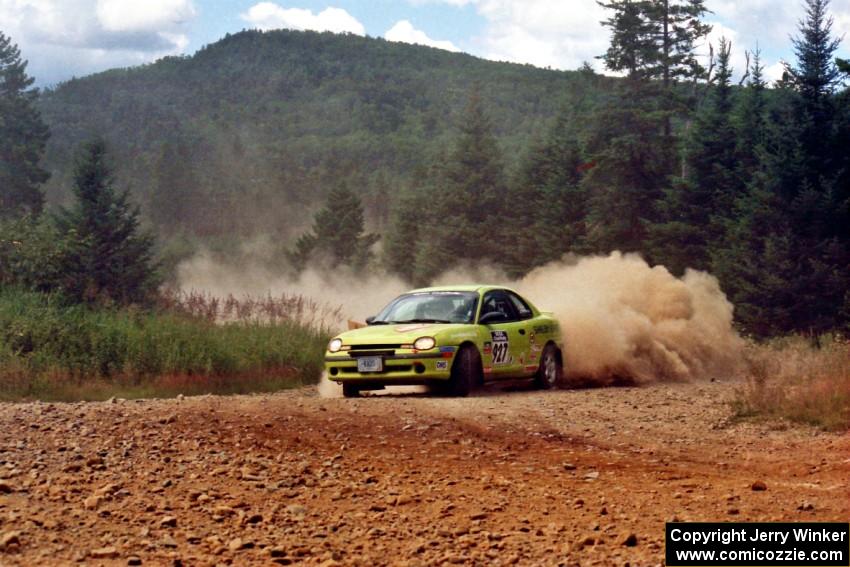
<point>623,319</point>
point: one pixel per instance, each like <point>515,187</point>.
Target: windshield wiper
<point>421,321</point>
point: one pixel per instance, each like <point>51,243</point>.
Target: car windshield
<point>430,307</point>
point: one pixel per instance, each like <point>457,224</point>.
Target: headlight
<point>424,343</point>
<point>335,345</point>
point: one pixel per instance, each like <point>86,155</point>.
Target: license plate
<point>370,364</point>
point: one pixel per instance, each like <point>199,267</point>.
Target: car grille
<point>387,369</point>
<point>373,350</point>
<point>362,353</point>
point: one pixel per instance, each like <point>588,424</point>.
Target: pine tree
<point>338,234</point>
<point>631,142</point>
<point>633,47</point>
<point>738,259</point>
<point>402,237</point>
<point>655,40</point>
<point>627,169</point>
<point>23,136</point>
<point>693,209</point>
<point>466,217</point>
<point>819,206</point>
<point>750,118</point>
<point>109,259</point>
<point>549,204</point>
<point>786,255</point>
<point>474,192</point>
<point>815,78</point>
<point>678,26</point>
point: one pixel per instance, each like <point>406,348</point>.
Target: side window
<point>522,308</point>
<point>498,302</point>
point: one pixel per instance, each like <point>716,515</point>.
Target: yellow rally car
<point>451,339</point>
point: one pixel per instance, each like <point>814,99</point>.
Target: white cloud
<point>62,38</point>
<point>150,15</point>
<point>404,32</point>
<point>268,15</point>
<point>545,33</point>
<point>773,72</point>
<point>548,34</point>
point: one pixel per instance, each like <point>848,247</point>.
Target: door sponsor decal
<point>500,347</point>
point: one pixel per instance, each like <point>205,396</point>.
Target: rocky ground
<point>575,477</point>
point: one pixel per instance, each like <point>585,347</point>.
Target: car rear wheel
<point>551,370</point>
<point>350,391</point>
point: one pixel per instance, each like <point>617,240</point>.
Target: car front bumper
<point>402,368</point>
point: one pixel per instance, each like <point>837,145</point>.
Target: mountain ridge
<point>270,121</point>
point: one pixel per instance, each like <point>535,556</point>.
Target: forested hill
<point>249,131</point>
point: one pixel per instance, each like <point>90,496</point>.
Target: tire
<point>350,391</point>
<point>551,370</point>
<point>466,373</point>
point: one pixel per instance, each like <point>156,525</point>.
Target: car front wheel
<point>350,391</point>
<point>466,373</point>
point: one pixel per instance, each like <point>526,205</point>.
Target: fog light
<point>419,368</point>
<point>334,371</point>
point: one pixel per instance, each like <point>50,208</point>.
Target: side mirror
<point>491,317</point>
<point>370,320</point>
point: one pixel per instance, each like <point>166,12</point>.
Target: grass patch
<point>801,379</point>
<point>54,351</point>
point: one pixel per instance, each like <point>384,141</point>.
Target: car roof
<point>469,287</point>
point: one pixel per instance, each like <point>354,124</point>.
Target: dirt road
<point>576,477</point>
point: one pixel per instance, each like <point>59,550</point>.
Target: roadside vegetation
<point>53,349</point>
<point>801,379</point>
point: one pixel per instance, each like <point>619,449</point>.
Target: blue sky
<point>66,38</point>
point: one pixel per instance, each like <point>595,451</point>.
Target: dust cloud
<point>359,297</point>
<point>622,319</point>
<point>328,389</point>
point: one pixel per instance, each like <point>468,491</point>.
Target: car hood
<point>401,334</point>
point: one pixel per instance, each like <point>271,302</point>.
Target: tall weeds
<point>802,379</point>
<point>269,309</point>
<point>192,343</point>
